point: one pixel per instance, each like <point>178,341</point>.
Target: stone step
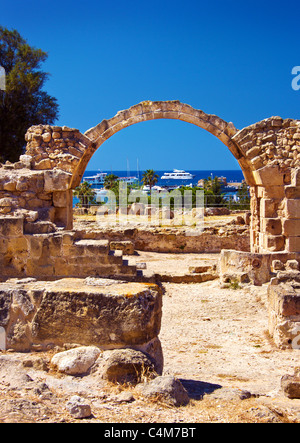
<point>94,246</point>
<point>186,278</point>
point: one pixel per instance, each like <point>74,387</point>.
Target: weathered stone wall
<point>245,267</point>
<point>272,141</point>
<point>275,208</point>
<point>38,196</point>
<point>268,153</point>
<point>272,149</point>
<point>55,255</point>
<point>39,186</point>
<point>55,147</point>
<point>212,239</point>
<point>284,304</point>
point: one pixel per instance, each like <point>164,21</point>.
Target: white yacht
<point>96,180</point>
<point>177,174</point>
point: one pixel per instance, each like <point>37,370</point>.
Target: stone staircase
<point>36,252</point>
<point>97,260</point>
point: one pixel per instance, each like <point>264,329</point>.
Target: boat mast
<point>138,171</point>
<point>128,170</point>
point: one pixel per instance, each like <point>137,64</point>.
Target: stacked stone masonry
<point>39,187</point>
<point>37,240</point>
<point>284,304</point>
<point>55,254</point>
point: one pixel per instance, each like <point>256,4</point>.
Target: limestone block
<point>57,180</point>
<point>274,192</point>
<point>118,314</point>
<point>9,186</point>
<point>292,265</point>
<point>43,227</point>
<point>60,199</point>
<point>284,301</point>
<point>126,246</point>
<point>292,209</point>
<point>271,226</point>
<point>284,311</point>
<point>269,176</point>
<point>293,244</point>
<point>43,164</point>
<point>274,243</point>
<point>291,228</point>
<point>292,192</point>
<point>96,247</point>
<point>11,226</point>
<point>16,245</point>
<point>268,208</point>
<point>239,263</point>
<point>26,160</point>
<point>296,177</point>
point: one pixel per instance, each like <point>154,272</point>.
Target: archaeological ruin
<point>38,243</point>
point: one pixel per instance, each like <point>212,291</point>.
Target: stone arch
<point>149,110</point>
<point>268,153</point>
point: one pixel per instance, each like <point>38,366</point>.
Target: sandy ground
<point>214,340</point>
<point>172,264</point>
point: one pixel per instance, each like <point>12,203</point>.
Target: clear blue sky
<point>229,58</point>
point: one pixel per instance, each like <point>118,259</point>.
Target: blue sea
<point>235,176</point>
<point>232,176</point>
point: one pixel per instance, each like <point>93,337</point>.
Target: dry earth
<point>214,340</point>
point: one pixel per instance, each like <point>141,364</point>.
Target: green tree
<point>149,178</point>
<point>243,197</point>
<point>111,182</point>
<point>85,193</point>
<point>213,192</point>
<point>24,103</point>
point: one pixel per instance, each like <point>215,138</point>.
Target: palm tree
<point>149,178</point>
<point>110,181</point>
<point>85,193</point>
<point>213,192</point>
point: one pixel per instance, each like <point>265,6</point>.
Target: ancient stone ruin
<point>36,221</point>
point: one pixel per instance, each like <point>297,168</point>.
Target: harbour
<point>230,181</point>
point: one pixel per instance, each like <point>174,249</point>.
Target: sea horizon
<point>232,175</point>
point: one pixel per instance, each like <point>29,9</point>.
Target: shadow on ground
<point>197,389</point>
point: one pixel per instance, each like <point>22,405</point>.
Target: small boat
<point>129,180</point>
<point>177,174</point>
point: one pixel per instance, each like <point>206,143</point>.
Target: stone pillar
<point>268,200</point>
<point>63,204</point>
<point>291,213</point>
<point>284,305</point>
